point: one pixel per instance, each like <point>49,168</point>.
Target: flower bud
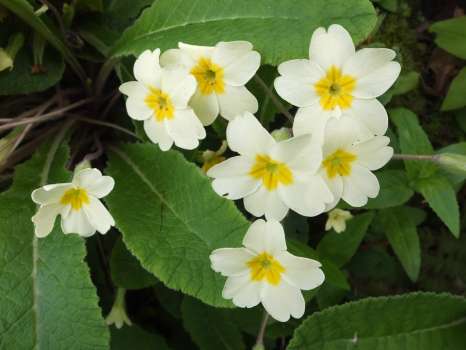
<point>281,134</point>
<point>453,162</point>
<point>8,54</point>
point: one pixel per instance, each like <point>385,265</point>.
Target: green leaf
<point>455,97</point>
<point>340,247</point>
<point>104,29</point>
<point>401,232</point>
<point>451,35</point>
<point>24,10</point>
<point>406,83</point>
<point>135,338</point>
<point>441,197</point>
<point>416,321</point>
<point>90,5</point>
<point>279,32</point>
<point>171,219</point>
<point>394,190</point>
<point>413,140</point>
<point>22,81</point>
<point>46,294</point>
<point>126,270</point>
<point>210,328</point>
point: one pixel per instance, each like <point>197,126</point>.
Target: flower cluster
<point>337,140</point>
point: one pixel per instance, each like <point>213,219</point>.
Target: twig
<point>274,98</point>
<point>110,104</point>
<point>47,116</point>
<point>99,150</point>
<point>103,75</point>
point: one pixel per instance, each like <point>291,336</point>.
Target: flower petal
<point>236,100</point>
<point>377,82</point>
<point>177,57</point>
<point>205,106</point>
<point>246,136</point>
<point>307,198</point>
<point>44,219</point>
<point>311,120</point>
<point>333,47</point>
<point>147,68</point>
<point>98,215</point>
<point>303,273</point>
<point>243,291</point>
<point>283,301</point>
<point>196,51</point>
<point>234,166</point>
<point>302,70</point>
<point>359,185</point>
<point>185,129</point>
<point>371,114</point>
<point>77,222</point>
<point>367,60</point>
<point>335,186</point>
<point>339,134</point>
<point>157,133</point>
<point>297,92</point>
<point>230,261</point>
<point>265,202</point>
<point>235,187</point>
<point>373,153</point>
<point>300,153</point>
<point>50,194</point>
<point>179,85</point>
<point>242,69</point>
<point>94,182</point>
<point>265,236</point>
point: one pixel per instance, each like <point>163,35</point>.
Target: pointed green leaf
<point>171,219</point>
<point>455,97</point>
<point>417,321</point>
<point>400,229</point>
<point>46,294</point>
<point>394,190</point>
<point>441,197</point>
<point>451,35</point>
<point>279,31</point>
<point>413,140</point>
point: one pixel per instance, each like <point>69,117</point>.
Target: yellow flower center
<point>339,163</point>
<point>209,76</point>
<point>271,172</point>
<point>160,103</point>
<point>265,267</point>
<point>76,197</point>
<point>335,89</point>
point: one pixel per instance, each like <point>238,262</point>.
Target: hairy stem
<point>260,335</point>
<point>429,158</point>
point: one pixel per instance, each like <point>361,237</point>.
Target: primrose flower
<point>264,272</point>
<point>221,72</point>
<point>78,204</point>
<point>337,220</point>
<point>348,163</point>
<point>159,97</point>
<point>271,176</point>
<point>337,80</point>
